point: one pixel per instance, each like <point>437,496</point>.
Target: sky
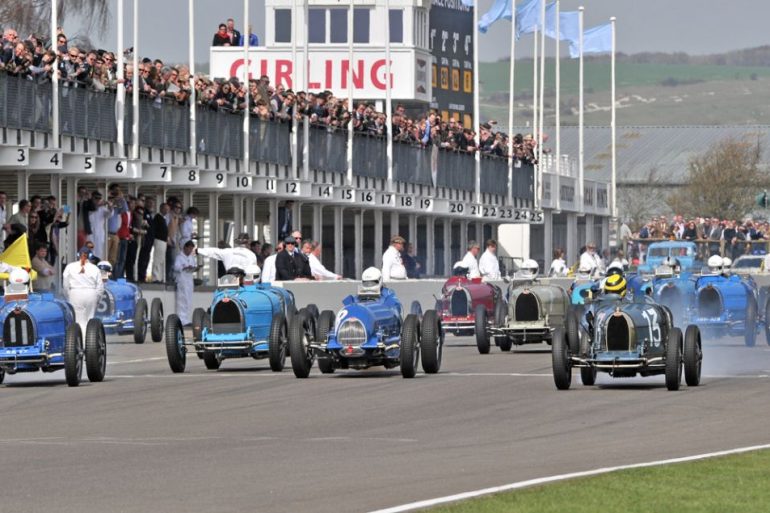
<point>691,26</point>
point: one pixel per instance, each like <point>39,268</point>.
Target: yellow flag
<point>17,254</point>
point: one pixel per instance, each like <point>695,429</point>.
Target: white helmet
<point>715,263</point>
<point>371,282</point>
<point>727,263</point>
<point>251,274</point>
<point>18,282</point>
<point>106,268</point>
<point>528,269</point>
<point>584,271</point>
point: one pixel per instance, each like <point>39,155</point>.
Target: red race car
<point>461,299</point>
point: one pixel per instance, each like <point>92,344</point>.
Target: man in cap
<point>239,257</point>
<point>82,284</point>
<point>469,260</point>
<point>184,267</point>
<point>285,264</point>
<point>392,264</point>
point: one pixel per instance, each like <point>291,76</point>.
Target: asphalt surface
<point>246,439</point>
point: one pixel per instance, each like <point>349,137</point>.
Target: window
<point>396,25</point>
<point>339,25</point>
<point>283,25</point>
<point>361,25</point>
<point>317,25</point>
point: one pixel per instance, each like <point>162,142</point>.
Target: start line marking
<point>562,477</point>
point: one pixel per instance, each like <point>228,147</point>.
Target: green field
<point>736,483</point>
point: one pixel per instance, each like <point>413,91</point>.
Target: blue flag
<point>497,11</point>
<point>467,3</point>
<point>527,17</point>
<point>595,40</point>
<point>569,24</point>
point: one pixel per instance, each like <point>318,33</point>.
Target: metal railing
<point>165,123</point>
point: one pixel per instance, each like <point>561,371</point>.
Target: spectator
<point>411,264</point>
<point>36,233</point>
<point>489,266</point>
<point>316,267</point>
<point>125,235</point>
<point>184,267</point>
<point>186,228</point>
<point>22,216</point>
<point>253,39</point>
<point>302,262</point>
<point>160,231</point>
<point>147,239</point>
<point>232,34</point>
<point>470,261</point>
<point>558,265</point>
<point>268,269</point>
<point>285,265</point>
<point>221,38</point>
<point>45,271</point>
<point>392,263</point>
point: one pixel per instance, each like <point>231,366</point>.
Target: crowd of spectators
<point>34,58</point>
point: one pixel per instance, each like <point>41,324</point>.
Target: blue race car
<point>40,333</point>
<point>368,331</point>
<point>122,309</point>
<point>245,320</point>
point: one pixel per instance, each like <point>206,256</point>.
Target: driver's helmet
<point>252,273</point>
<point>615,284</point>
<point>18,281</point>
<point>584,272</point>
<point>105,268</point>
<point>236,271</point>
<point>460,270</point>
<point>727,263</point>
<point>667,268</point>
<point>371,282</point>
<point>715,264</point>
<point>528,269</point>
<point>615,268</point>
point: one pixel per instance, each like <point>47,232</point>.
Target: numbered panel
<point>520,215</point>
<point>265,185</point>
<point>346,194</point>
<point>117,169</point>
<point>323,192</point>
<point>45,160</point>
<point>14,156</point>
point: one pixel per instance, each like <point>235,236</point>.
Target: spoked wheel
<point>156,320</point>
<point>324,326</point>
<point>750,331</point>
<point>587,374</point>
<point>140,321</point>
<point>312,309</point>
<point>431,342</point>
<point>482,335</point>
<point>175,348</point>
<point>410,346</point>
<point>674,359</point>
<point>301,334</point>
<point>96,351</point>
<point>573,330</point>
<point>276,345</point>
<point>693,356</point>
<point>562,367</point>
<point>73,355</point>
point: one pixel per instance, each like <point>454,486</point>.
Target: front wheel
<point>197,324</point>
<point>482,335</point>
<point>96,351</point>
<point>140,321</point>
<point>587,374</point>
<point>324,326</point>
<point>276,345</point>
<point>301,331</point>
<point>767,322</point>
<point>410,349</point>
<point>73,355</point>
<point>210,360</point>
<point>175,349</point>
<point>156,320</point>
<point>674,359</point>
<point>431,342</point>
<point>560,359</point>
<point>750,330</point>
<point>693,356</point>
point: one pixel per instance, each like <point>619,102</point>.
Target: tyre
<point>73,355</point>
<point>156,320</point>
<point>210,360</point>
<point>96,351</point>
<point>323,327</point>
<point>693,356</point>
<point>410,349</point>
<point>197,324</point>
<point>301,331</point>
<point>175,349</point>
<point>2,376</point>
<point>482,336</point>
<point>431,342</point>
<point>562,367</point>
<point>140,321</point>
<point>587,374</point>
<point>312,309</point>
<point>503,342</point>
<point>750,330</point>
<point>674,359</point>
<point>767,322</point>
<point>276,345</point>
<point>501,311</point>
<point>572,327</point>
<point>416,309</point>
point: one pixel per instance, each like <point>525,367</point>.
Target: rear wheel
<point>410,349</point>
<point>562,367</point>
<point>674,359</point>
<point>431,342</point>
<point>210,360</point>
<point>276,345</point>
<point>73,355</point>
<point>96,351</point>
<point>301,332</point>
<point>197,324</point>
<point>156,320</point>
<point>501,311</point>
<point>750,330</point>
<point>767,322</point>
<point>175,349</point>
<point>693,356</point>
<point>573,330</point>
<point>312,309</point>
<point>482,336</point>
<point>503,342</point>
<point>323,328</point>
<point>140,321</point>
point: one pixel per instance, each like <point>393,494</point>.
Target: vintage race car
<point>461,298</point>
<point>244,321</point>
<point>624,338</point>
<point>685,252</point>
<point>368,331</point>
<point>535,313</point>
<point>40,333</point>
<point>122,309</point>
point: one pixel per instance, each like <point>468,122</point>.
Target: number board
<point>265,184</point>
<point>346,195</point>
<point>366,197</point>
<point>405,201</point>
<point>210,179</point>
<point>323,192</point>
<point>458,208</point>
<point>45,159</point>
<point>116,169</point>
<point>291,188</point>
<point>14,156</point>
<point>520,215</point>
<point>161,173</point>
<point>386,199</point>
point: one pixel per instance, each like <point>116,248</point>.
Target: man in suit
<point>285,265</point>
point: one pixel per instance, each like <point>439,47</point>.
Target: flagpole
<point>614,210</point>
<point>580,109</point>
<point>55,76</point>
<point>511,102</point>
<point>536,178</point>
<point>191,59</point>
<point>120,99</point>
<point>305,81</point>
<point>541,102</point>
<point>558,109</point>
<point>135,96</point>
<point>295,87</point>
<point>388,103</point>
<point>246,117</point>
<point>351,107</point>
<point>476,113</point>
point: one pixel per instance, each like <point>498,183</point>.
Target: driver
<point>251,275</point>
<point>371,283</point>
<point>105,268</point>
<point>615,284</point>
<point>528,269</point>
<point>726,265</point>
<point>714,264</point>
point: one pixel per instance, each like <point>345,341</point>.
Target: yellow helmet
<point>615,284</point>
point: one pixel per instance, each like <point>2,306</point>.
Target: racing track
<point>246,439</point>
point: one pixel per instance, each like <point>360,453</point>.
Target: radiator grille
<point>527,308</point>
<point>459,302</point>
<point>709,303</point>
<point>351,333</point>
<point>18,330</point>
<point>226,318</point>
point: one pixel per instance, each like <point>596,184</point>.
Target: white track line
<point>140,360</point>
<point>542,480</point>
